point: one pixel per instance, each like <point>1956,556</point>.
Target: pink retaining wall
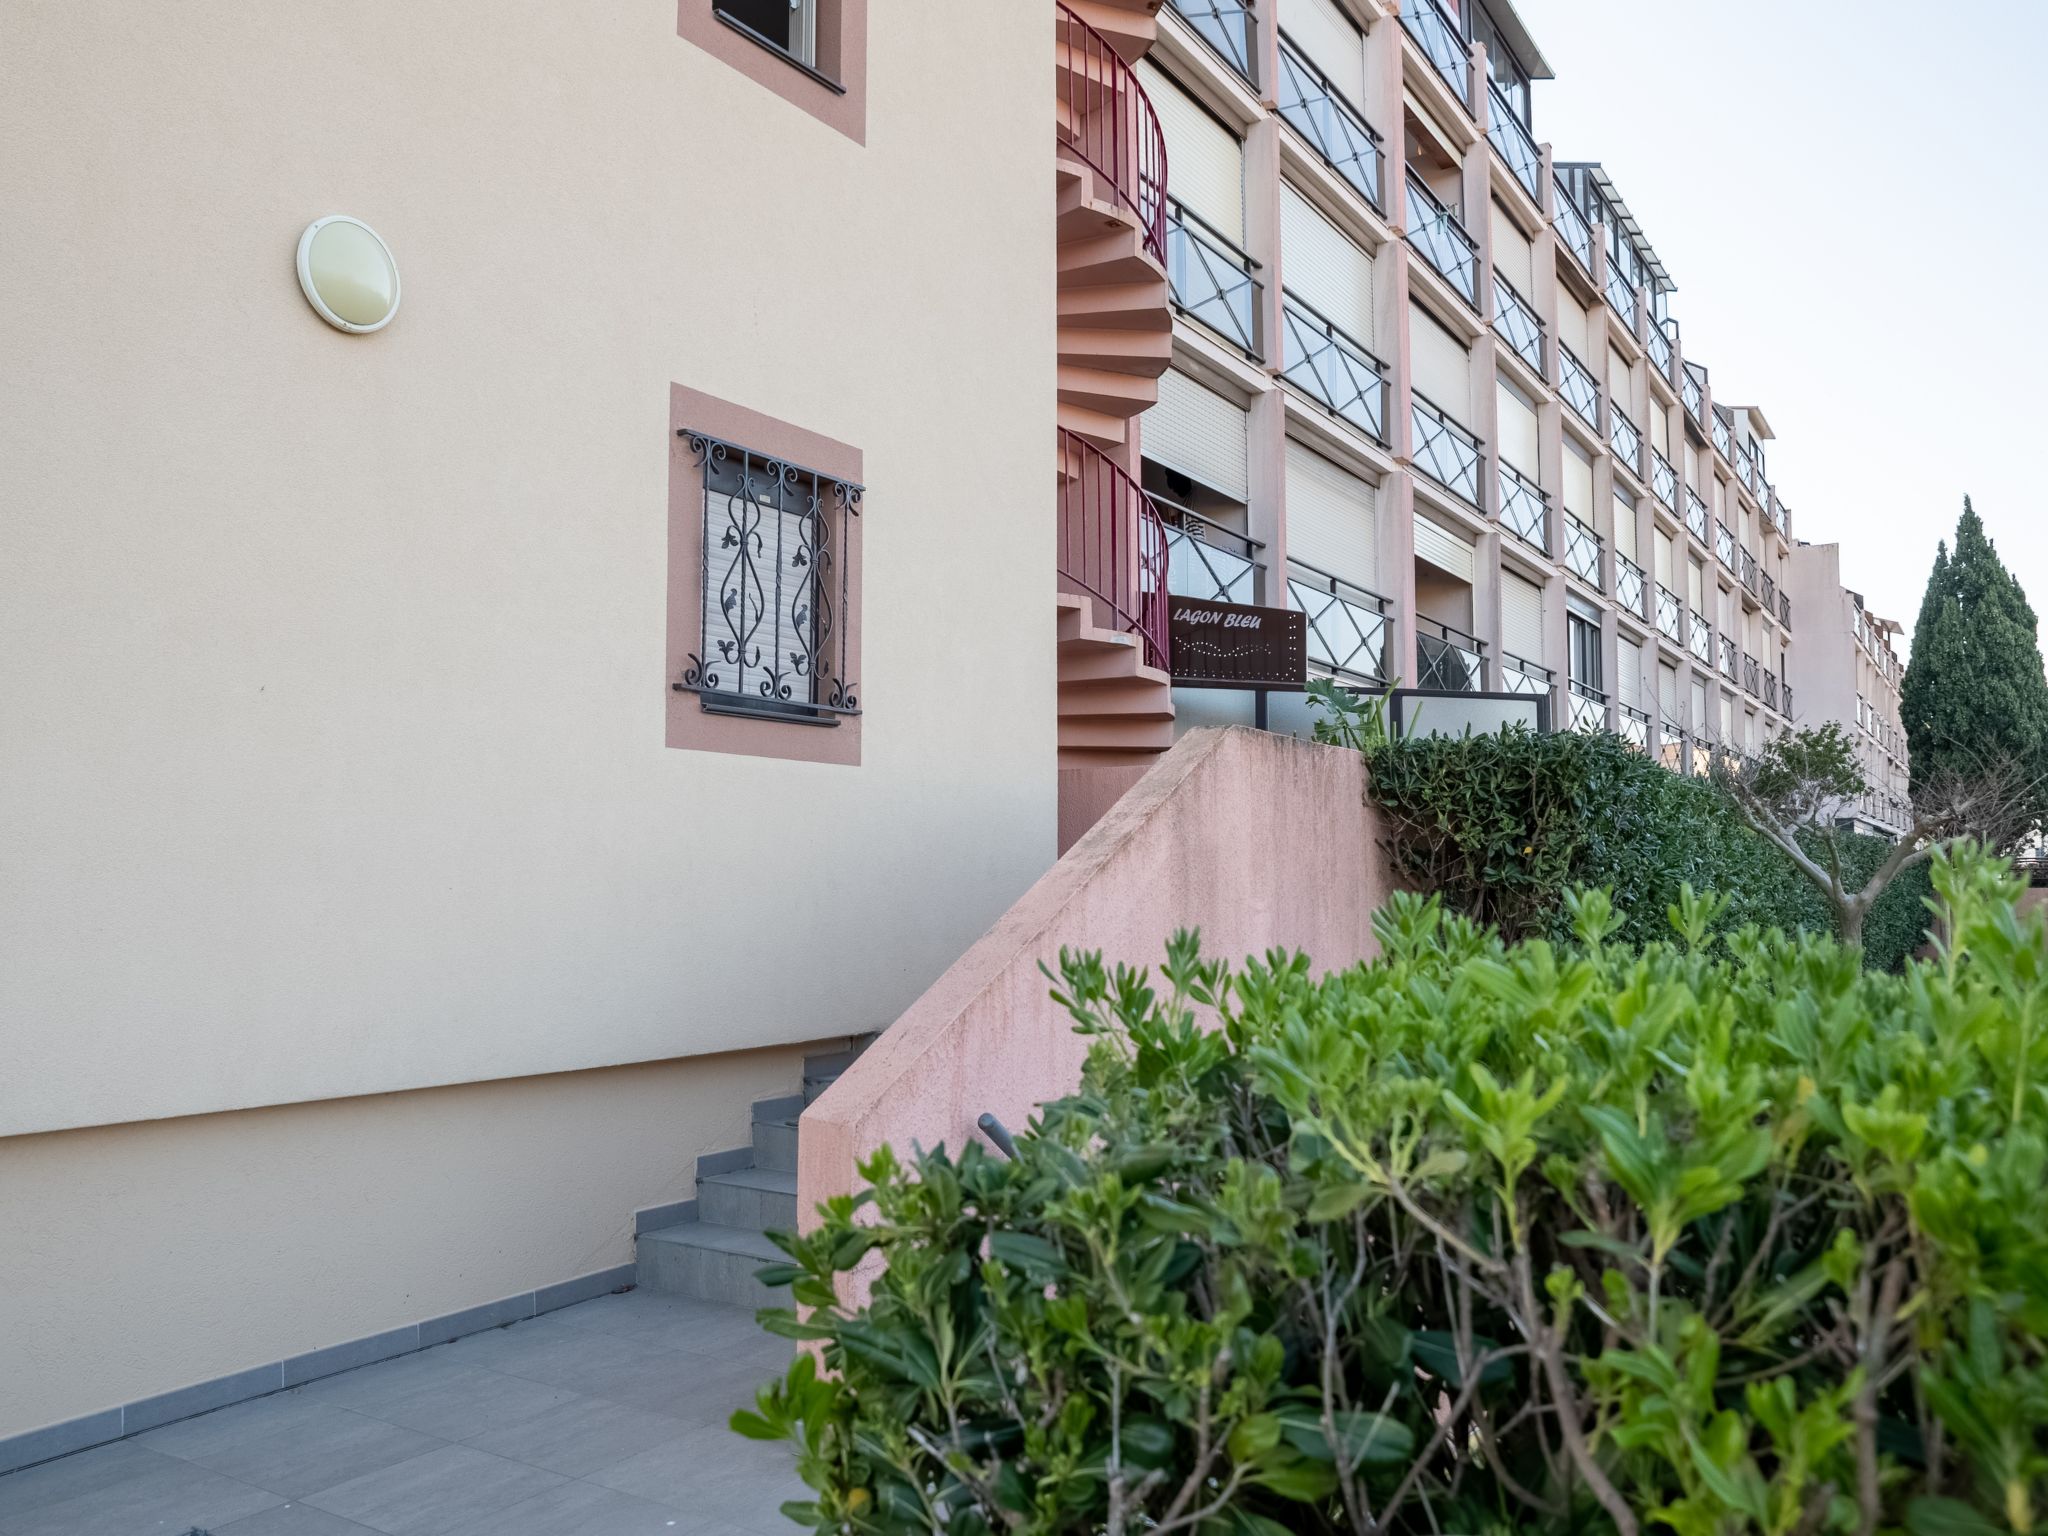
<point>1258,840</point>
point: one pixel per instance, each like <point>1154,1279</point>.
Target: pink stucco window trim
<point>842,55</point>
<point>691,727</point>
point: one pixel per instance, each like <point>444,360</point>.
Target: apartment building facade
<point>1850,673</point>
<point>1426,389</point>
<point>461,753</point>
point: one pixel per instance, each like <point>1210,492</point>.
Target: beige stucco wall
<point>331,668</point>
<point>142,1258</point>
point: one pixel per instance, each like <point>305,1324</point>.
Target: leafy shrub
<point>1474,1238</point>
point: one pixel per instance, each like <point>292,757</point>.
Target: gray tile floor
<point>603,1419</point>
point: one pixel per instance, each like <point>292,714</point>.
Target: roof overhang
<point>1630,226</point>
<point>1516,32</point>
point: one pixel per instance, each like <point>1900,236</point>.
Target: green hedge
<point>1504,824</point>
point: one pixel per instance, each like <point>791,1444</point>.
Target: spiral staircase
<point>1115,338</point>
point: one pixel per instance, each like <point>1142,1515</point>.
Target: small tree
<point>1795,795</point>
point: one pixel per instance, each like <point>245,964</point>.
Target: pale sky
<point>1853,201</point>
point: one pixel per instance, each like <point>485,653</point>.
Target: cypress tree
<point>1974,693</point>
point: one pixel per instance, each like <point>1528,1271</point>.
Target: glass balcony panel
<point>1635,727</point>
<point>1572,226</point>
<point>1347,623</point>
<point>1329,366</point>
<point>1623,437</point>
<point>1668,614</point>
<point>1663,480</point>
<point>1436,234</point>
<point>1660,347</point>
<point>1621,294</point>
<point>1437,35</point>
<point>1448,660</point>
<point>1213,281</point>
<point>1629,585</point>
<point>1694,393</point>
<point>1588,708</point>
<point>1724,544</point>
<point>1207,561</point>
<point>1578,387</point>
<point>1702,640</point>
<point>1523,508</point>
<point>1334,128</point>
<point>1513,143</point>
<point>1515,322</point>
<point>1228,26</point>
<point>1581,550</point>
<point>1695,515</point>
<point>1445,451</point>
<point>1522,676</point>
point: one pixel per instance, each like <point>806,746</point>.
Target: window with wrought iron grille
<point>775,594</point>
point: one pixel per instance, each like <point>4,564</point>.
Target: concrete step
<point>708,1263</point>
<point>775,1144</point>
<point>759,1198</point>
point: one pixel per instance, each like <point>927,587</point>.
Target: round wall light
<point>348,274</point>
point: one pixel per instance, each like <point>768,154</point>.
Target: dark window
<point>1585,641</point>
<point>787,26</point>
<point>1501,67</point>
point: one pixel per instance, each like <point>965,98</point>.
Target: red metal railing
<point>1107,119</point>
<point>1113,544</point>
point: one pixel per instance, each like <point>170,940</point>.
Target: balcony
<point>1621,293</point>
<point>1623,437</point>
<point>1107,120</point>
<point>1334,129</point>
<point>1724,544</point>
<point>1578,388</point>
<point>1663,480</point>
<point>1785,609</point>
<point>1230,27</point>
<point>1444,451</point>
<point>1573,229</point>
<point>1770,595</point>
<point>1770,690</point>
<point>1213,281</point>
<point>1693,389</point>
<point>1750,573</point>
<point>1437,36</point>
<point>1448,660</point>
<point>1329,366</point>
<point>1581,550</point>
<point>1724,439</point>
<point>1729,668</point>
<point>1112,545</point>
<point>1524,509</point>
<point>1669,615</point>
<point>1702,640</point>
<point>1629,584</point>
<point>1438,237</point>
<point>1206,560</point>
<point>1745,471</point>
<point>1635,727</point>
<point>1752,676</point>
<point>1347,623</point>
<point>1513,143</point>
<point>1519,675</point>
<point>1785,699</point>
<point>1515,322</point>
<point>1661,351</point>
<point>1695,515</point>
<point>1672,748</point>
<point>1588,706</point>
<point>1702,757</point>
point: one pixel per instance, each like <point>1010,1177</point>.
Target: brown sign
<point>1229,645</point>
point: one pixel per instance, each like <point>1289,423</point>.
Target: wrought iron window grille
<point>775,591</point>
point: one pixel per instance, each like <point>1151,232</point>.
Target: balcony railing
<point>1434,231</point>
<point>1629,584</point>
<point>1770,595</point>
<point>1660,346</point>
<point>1519,675</point>
<point>1785,609</point>
<point>1723,438</point>
<point>1702,640</point>
<point>1589,707</point>
<point>1206,560</point>
<point>1635,727</point>
<point>1770,689</point>
<point>1333,127</point>
<point>1445,451</point>
<point>1437,35</point>
<point>1231,27</point>
<point>1623,437</point>
<point>1724,544</point>
<point>1112,545</point>
<point>1621,293</point>
<point>1694,390</point>
<point>1213,281</point>
<point>1108,121</point>
<point>1752,675</point>
<point>1581,550</point>
<point>1512,141</point>
<point>1785,698</point>
<point>1524,509</point>
<point>1702,757</point>
<point>1672,746</point>
<point>1447,659</point>
<point>1749,572</point>
<point>1515,322</point>
<point>1728,659</point>
<point>1745,471</point>
<point>1347,623</point>
<point>1695,515</point>
<point>1663,480</point>
<point>1573,229</point>
<point>1578,388</point>
<point>1669,614</point>
<point>1327,364</point>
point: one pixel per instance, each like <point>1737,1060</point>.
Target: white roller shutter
<point>1332,518</point>
<point>1512,257</point>
<point>1320,265</point>
<point>1630,661</point>
<point>1692,468</point>
<point>1578,482</point>
<point>1444,549</point>
<point>1617,378</point>
<point>1695,587</point>
<point>1521,617</point>
<point>1700,724</point>
<point>1198,432</point>
<point>1517,429</point>
<point>1660,429</point>
<point>1667,689</point>
<point>1205,159</point>
<point>1442,366</point>
<point>1625,528</point>
<point>1332,43</point>
<point>1571,326</point>
<point>1664,565</point>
